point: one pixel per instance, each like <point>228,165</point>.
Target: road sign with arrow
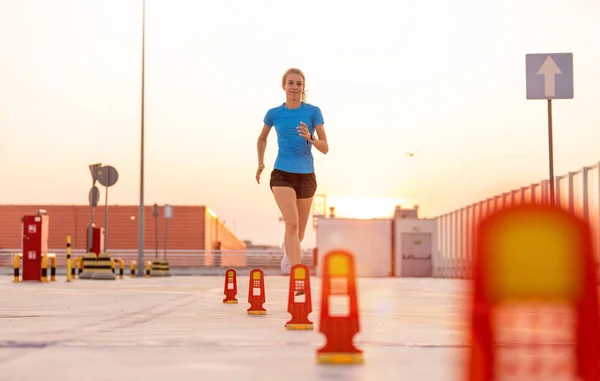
<point>549,76</point>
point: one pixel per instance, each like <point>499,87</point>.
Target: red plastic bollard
<point>230,289</point>
<point>256,292</point>
<point>339,281</point>
<point>299,299</point>
<point>537,253</point>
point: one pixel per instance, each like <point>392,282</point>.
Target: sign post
<point>168,212</point>
<point>155,214</point>
<point>94,197</point>
<point>549,76</point>
<point>107,177</point>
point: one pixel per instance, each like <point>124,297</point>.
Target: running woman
<point>293,181</point>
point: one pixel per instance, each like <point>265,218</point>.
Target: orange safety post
<point>256,292</point>
<point>230,290</point>
<point>299,299</point>
<point>535,255</point>
<point>339,282</point>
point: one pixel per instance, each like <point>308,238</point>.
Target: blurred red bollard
<point>299,300</point>
<point>230,289</point>
<point>534,253</point>
<point>256,292</point>
<point>339,282</point>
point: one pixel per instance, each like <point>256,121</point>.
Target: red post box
<point>35,243</point>
<point>97,239</point>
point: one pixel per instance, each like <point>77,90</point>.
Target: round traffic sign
<point>108,176</point>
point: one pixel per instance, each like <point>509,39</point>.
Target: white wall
<point>369,240</point>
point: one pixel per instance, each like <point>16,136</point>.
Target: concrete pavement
<point>178,329</point>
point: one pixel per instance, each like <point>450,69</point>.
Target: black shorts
<point>305,184</point>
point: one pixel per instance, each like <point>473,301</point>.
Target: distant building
<point>406,213</point>
<point>191,228</point>
<point>250,245</point>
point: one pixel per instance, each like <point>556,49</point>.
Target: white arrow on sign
<point>549,70</point>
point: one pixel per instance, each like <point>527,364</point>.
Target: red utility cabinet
<point>35,243</point>
<point>97,240</point>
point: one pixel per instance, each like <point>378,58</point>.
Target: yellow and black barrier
<point>103,269</point>
<point>160,268</point>
<point>148,268</point>
<point>89,266</point>
<point>76,267</point>
<point>121,266</point>
<point>17,266</point>
<point>45,258</point>
<point>68,252</point>
<point>132,269</point>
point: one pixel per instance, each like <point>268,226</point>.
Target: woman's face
<point>293,86</point>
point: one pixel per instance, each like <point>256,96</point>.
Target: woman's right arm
<point>261,146</point>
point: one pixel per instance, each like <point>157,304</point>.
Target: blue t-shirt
<point>294,154</point>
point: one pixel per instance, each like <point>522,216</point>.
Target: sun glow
<point>364,207</point>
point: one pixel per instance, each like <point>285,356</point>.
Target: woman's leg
<point>303,205</point>
<point>305,192</point>
<point>285,197</point>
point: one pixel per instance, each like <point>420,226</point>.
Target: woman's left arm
<point>320,141</point>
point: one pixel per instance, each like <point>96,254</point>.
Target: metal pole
<point>140,266</point>
<point>551,153</point>
<point>91,227</point>
<point>106,212</point>
<point>166,228</point>
<point>156,238</point>
<point>585,194</point>
<point>596,217</point>
<point>90,230</point>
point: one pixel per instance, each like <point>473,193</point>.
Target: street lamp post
<point>140,265</point>
<point>155,215</point>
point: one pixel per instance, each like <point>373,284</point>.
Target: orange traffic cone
<point>230,289</point>
<point>339,280</point>
<point>299,300</point>
<point>256,292</point>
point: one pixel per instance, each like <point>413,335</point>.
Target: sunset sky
<point>444,77</point>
